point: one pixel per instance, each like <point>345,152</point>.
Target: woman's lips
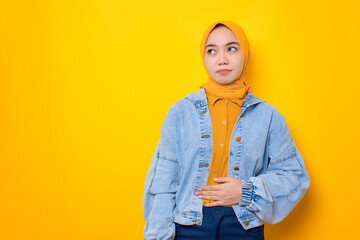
<point>223,71</point>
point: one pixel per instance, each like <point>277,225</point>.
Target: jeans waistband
<point>218,210</point>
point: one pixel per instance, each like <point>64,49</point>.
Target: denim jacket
<point>266,160</point>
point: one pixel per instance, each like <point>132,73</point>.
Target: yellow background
<point>85,85</point>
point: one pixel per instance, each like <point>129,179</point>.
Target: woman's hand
<point>227,193</point>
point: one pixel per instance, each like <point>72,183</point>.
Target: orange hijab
<point>238,88</point>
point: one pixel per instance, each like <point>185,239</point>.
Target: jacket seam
<point>153,172</point>
<point>277,160</point>
<point>295,189</point>
<point>167,158</point>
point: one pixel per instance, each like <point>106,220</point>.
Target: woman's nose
<point>222,58</point>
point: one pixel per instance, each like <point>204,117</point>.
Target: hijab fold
<point>239,88</point>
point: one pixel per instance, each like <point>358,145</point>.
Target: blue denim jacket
<point>266,160</point>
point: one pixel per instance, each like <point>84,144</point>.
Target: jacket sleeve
<point>161,184</point>
<point>273,194</point>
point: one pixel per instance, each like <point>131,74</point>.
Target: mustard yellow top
<point>224,113</point>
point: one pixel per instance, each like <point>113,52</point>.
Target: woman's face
<point>222,51</point>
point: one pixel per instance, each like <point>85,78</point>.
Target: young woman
<point>225,162</point>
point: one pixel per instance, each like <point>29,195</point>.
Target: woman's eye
<point>233,48</point>
<point>209,51</point>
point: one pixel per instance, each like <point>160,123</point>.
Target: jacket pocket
<point>165,177</point>
<point>290,170</point>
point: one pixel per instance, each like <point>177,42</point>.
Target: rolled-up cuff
<point>247,193</point>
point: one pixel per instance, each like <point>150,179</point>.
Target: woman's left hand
<point>227,193</point>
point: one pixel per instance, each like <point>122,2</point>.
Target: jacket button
<point>236,168</point>
<point>247,223</point>
<point>238,139</point>
<point>242,115</point>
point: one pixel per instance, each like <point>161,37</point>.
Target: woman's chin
<point>224,81</point>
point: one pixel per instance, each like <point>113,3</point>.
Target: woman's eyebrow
<point>229,43</point>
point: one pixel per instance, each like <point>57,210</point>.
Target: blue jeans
<point>219,223</point>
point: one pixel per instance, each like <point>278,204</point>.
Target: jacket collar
<point>198,98</point>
